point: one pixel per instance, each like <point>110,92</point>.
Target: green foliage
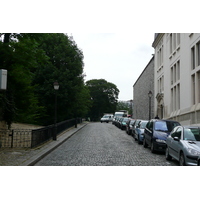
<point>18,56</point>
<point>104,97</point>
<point>66,67</point>
<point>125,106</point>
<point>34,62</point>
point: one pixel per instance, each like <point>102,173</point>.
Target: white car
<point>107,118</point>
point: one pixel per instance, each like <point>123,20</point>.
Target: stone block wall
<point>141,88</point>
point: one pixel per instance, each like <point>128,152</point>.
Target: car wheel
<point>182,159</point>
<point>135,137</point>
<point>144,143</point>
<point>167,156</point>
<point>152,148</point>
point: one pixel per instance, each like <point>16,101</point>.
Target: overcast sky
<point>118,58</point>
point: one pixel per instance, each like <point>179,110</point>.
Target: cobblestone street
<point>103,145</point>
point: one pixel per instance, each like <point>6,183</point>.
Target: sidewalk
<point>28,157</point>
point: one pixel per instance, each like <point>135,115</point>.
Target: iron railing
<point>39,136</point>
<point>22,138</point>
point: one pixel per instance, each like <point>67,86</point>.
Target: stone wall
<point>141,88</point>
<point>18,136</point>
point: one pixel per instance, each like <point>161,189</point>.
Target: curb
<point>33,160</point>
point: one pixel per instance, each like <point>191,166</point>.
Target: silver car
<point>183,144</point>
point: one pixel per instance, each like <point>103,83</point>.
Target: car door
<point>175,144</point>
<point>149,132</point>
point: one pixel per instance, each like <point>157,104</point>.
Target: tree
<point>18,53</point>
<point>104,97</point>
<point>125,105</point>
<point>65,66</point>
<point>34,62</point>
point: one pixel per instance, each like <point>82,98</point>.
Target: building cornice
<point>157,39</point>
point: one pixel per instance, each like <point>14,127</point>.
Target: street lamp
<point>56,87</point>
<point>150,95</point>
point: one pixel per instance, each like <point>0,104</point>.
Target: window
<point>178,96</point>
<point>172,76</point>
<point>172,106</point>
<point>193,57</point>
<point>198,54</point>
<point>193,89</point>
<point>198,75</point>
<point>174,42</point>
<point>170,43</point>
<point>160,56</point>
<point>173,133</point>
<point>178,39</point>
<point>174,73</point>
<point>178,70</point>
<point>175,84</point>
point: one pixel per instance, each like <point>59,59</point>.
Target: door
<point>149,133</point>
<point>175,144</point>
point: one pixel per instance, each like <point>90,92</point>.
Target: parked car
<point>107,118</point>
<point>123,123</point>
<point>139,131</point>
<point>183,144</point>
<point>134,126</point>
<point>129,126</point>
<point>119,114</point>
<point>156,133</point>
<point>198,161</point>
<point>118,121</point>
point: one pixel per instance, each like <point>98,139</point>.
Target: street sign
<point>3,79</point>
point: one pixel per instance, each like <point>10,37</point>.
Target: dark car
<point>156,133</point>
<point>118,121</point>
<point>129,126</point>
<point>198,161</point>
<point>123,123</point>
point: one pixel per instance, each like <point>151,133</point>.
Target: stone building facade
<point>177,77</point>
<point>141,88</point>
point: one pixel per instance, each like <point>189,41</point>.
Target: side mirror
<point>176,139</point>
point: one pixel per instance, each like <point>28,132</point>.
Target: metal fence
<point>32,138</point>
<point>42,135</point>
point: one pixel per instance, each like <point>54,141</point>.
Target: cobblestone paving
<point>103,145</point>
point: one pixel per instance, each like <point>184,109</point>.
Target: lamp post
<point>56,87</point>
<point>150,95</point>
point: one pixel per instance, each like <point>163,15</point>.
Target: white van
<point>107,118</point>
<point>118,114</point>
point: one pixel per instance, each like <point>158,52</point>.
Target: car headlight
<point>193,152</point>
<point>161,141</point>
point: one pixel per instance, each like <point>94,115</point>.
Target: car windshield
<point>143,125</point>
<point>105,116</point>
<point>118,115</point>
<point>191,134</point>
<point>165,126</point>
<point>125,119</point>
<point>132,122</point>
